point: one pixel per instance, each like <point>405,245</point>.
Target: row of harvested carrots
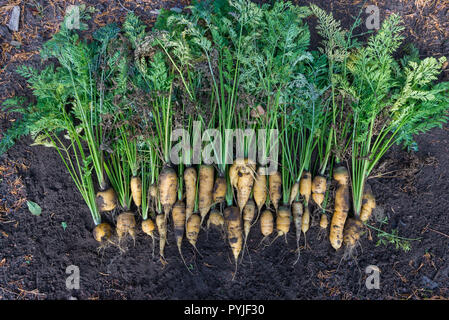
<point>246,180</point>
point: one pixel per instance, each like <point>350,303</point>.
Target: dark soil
<point>36,250</point>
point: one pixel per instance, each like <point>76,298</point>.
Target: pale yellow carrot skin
<point>283,220</point>
<point>206,185</point>
<point>190,178</point>
<point>106,200</point>
<point>324,222</point>
<point>266,223</point>
<point>136,190</point>
<point>341,209</point>
<point>215,219</point>
<point>148,227</point>
<point>161,223</point>
<point>248,215</point>
<point>294,192</point>
<point>275,188</point>
<point>168,188</point>
<point>260,190</point>
<point>179,221</point>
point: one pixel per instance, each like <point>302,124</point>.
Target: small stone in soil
<point>16,44</point>
<point>13,23</point>
<point>429,284</point>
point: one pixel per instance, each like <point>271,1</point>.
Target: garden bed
<point>36,250</point>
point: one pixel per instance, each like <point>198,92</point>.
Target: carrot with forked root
<point>126,224</point>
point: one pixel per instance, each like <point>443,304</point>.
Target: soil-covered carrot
<point>283,221</point>
<point>152,191</point>
<point>266,223</point>
<point>352,232</point>
<point>368,204</point>
<point>215,219</point>
<point>102,232</point>
<point>162,230</point>
<point>319,189</point>
<point>168,188</point>
<point>219,191</point>
<point>260,189</point>
<point>305,223</point>
<point>206,186</point>
<point>136,190</point>
<point>234,231</point>
<point>148,228</point>
<point>179,222</point>
<point>351,235</point>
<point>341,175</point>
<point>305,186</point>
<point>193,229</point>
<point>106,200</point>
<point>324,221</point>
<point>275,188</point>
<point>341,207</point>
<point>126,224</point>
<point>190,177</point>
<point>248,215</point>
